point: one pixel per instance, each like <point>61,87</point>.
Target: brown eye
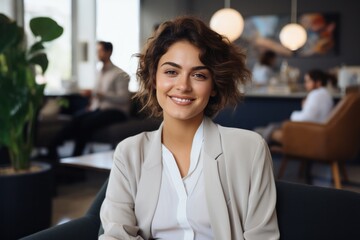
<point>171,73</point>
<point>200,76</point>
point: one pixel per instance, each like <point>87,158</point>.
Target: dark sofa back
<point>315,213</point>
<point>304,213</point>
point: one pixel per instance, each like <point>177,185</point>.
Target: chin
<point>185,117</point>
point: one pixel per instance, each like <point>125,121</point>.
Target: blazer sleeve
<point>117,211</point>
<point>261,220</point>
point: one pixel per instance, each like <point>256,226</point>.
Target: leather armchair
<point>333,142</point>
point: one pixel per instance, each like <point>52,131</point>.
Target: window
<point>118,23</point>
<point>58,51</point>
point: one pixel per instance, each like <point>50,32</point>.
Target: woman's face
<point>183,83</point>
<point>309,83</point>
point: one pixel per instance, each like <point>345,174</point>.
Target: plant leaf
<point>41,60</point>
<point>13,111</point>
<point>8,32</point>
<point>46,28</point>
<point>36,47</point>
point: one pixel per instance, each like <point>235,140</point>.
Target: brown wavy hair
<point>225,60</point>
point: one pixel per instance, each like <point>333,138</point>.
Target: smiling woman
<point>188,180</point>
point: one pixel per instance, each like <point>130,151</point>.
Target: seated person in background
<point>263,70</point>
<point>110,103</point>
<point>316,107</point>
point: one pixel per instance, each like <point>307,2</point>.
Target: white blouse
<point>317,107</point>
<point>181,211</point>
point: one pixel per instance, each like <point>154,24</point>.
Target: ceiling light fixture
<point>293,35</point>
<point>228,22</point>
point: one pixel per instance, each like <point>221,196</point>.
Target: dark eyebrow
<point>171,64</point>
<point>178,66</point>
<point>200,68</point>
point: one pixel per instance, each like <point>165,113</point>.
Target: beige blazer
<point>240,188</point>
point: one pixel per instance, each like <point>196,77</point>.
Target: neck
<point>106,63</point>
<point>179,132</point>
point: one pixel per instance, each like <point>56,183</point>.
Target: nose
<point>183,83</point>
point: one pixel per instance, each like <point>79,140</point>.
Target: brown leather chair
<point>333,142</point>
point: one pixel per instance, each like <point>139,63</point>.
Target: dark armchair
<point>86,227</point>
<point>304,212</point>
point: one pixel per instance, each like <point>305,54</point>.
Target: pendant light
<point>228,22</point>
<point>293,35</point>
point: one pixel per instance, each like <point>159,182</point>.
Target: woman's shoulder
<point>321,92</point>
<point>239,134</point>
<point>236,139</point>
<point>137,139</point>
<point>241,147</point>
<point>135,144</point>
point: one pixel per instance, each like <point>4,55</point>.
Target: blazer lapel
<point>218,212</point>
<point>149,184</point>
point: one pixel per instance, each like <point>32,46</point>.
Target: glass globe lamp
<point>227,22</point>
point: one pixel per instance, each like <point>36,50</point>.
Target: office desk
<point>101,161</point>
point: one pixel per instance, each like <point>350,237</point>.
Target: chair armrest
<point>98,200</point>
<point>305,139</point>
<point>86,227</point>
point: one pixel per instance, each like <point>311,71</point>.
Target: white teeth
<point>183,100</point>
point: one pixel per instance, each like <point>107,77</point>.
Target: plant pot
<point>26,202</point>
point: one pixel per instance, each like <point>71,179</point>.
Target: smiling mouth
<point>182,100</point>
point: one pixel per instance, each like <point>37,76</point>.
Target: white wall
<point>85,36</point>
<point>156,11</point>
<point>116,21</point>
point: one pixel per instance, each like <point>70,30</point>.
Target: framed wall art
<point>262,32</point>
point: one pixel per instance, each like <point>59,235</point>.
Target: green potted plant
<point>21,97</point>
